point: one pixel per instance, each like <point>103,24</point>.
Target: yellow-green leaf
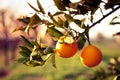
<point>35,19</point>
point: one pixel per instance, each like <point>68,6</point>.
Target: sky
<point>20,7</point>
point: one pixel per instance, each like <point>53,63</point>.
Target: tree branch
<point>105,16</point>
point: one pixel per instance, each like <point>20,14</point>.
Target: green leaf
<point>54,32</point>
<point>35,43</point>
<point>27,42</point>
<point>25,51</point>
<point>114,21</point>
<point>54,21</point>
<point>58,13</point>
<point>35,19</point>
<point>40,7</point>
<point>81,41</point>
<point>68,17</point>
<point>59,5</point>
<point>80,23</point>
<point>116,34</point>
<point>33,8</point>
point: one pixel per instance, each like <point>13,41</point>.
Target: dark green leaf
<point>117,34</point>
<point>81,41</point>
<point>33,8</point>
<point>114,21</point>
<point>66,24</point>
<point>25,51</point>
<point>24,54</point>
<point>48,50</point>
<point>54,32</point>
<point>37,58</point>
<point>40,7</point>
<point>27,42</point>
<point>24,19</point>
<point>59,5</point>
<point>58,13</point>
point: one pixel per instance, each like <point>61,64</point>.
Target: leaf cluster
<point>33,54</point>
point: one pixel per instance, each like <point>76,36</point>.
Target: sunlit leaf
<point>54,32</point>
<point>22,28</point>
<point>54,21</point>
<point>34,63</point>
<point>35,19</point>
<point>27,42</point>
<point>33,8</point>
<point>59,5</point>
<point>40,7</point>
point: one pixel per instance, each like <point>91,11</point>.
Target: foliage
<point>58,24</point>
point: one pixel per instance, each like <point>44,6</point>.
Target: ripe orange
<point>66,47</point>
<point>91,56</point>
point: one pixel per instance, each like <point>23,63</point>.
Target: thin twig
<point>105,16</point>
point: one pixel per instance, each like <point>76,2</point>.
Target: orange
<point>91,56</point>
<point>66,47</point>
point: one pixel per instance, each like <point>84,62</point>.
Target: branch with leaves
<point>58,25</point>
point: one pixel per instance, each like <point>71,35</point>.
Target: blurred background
<point>67,69</point>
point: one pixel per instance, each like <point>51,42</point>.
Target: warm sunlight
<point>21,7</point>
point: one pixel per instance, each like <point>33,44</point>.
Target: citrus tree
<point>68,39</point>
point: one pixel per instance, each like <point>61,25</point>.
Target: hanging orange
<point>91,56</point>
<point>66,47</point>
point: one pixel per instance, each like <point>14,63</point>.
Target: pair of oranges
<point>90,55</point>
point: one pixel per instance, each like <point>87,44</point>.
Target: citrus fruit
<point>66,47</point>
<point>91,56</point>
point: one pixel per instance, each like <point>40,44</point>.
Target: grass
<point>67,69</point>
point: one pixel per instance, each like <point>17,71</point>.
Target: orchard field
<point>67,69</point>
